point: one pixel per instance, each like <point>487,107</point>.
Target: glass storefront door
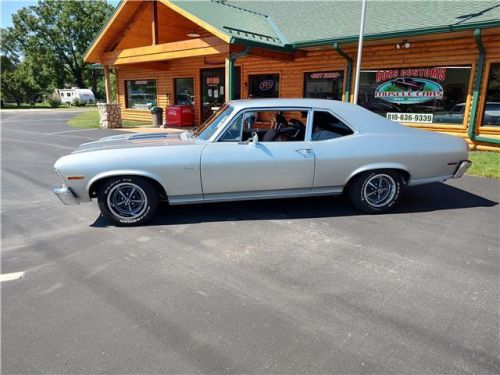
<point>213,90</point>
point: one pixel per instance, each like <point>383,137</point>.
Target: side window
<point>276,125</point>
<point>270,125</point>
<point>327,126</point>
<point>233,132</point>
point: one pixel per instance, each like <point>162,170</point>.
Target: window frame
<point>241,112</point>
<point>466,63</point>
<point>250,74</point>
<point>126,92</point>
<point>479,126</point>
<point>353,130</point>
<point>175,88</point>
<point>342,89</point>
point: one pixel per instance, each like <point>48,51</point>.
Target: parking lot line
<point>69,131</point>
<point>11,276</point>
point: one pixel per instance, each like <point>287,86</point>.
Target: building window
<point>184,91</point>
<point>417,95</point>
<point>491,110</point>
<point>323,85</point>
<point>140,94</point>
<point>264,86</point>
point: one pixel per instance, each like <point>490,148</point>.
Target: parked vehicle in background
<point>69,96</point>
<point>258,149</point>
<point>408,84</point>
<point>456,114</point>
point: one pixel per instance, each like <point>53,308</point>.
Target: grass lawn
<point>485,164</point>
<point>90,119</point>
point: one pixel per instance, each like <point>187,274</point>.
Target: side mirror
<point>255,138</point>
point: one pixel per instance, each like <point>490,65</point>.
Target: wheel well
<point>404,174</point>
<point>94,188</point>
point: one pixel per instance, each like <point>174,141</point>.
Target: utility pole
<point>360,51</point>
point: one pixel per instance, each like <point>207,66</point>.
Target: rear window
<point>327,126</point>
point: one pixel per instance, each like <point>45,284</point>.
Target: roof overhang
<point>399,34</point>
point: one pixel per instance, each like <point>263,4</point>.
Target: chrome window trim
<point>268,109</point>
<point>353,129</point>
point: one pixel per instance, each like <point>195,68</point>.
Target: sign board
<point>421,118</point>
<point>324,75</point>
<point>410,86</point>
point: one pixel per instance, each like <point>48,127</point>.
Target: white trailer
<point>68,96</point>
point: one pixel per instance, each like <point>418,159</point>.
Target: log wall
<point>436,51</point>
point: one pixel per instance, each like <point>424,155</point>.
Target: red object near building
<point>179,115</point>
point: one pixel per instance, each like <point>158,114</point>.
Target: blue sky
<point>9,7</point>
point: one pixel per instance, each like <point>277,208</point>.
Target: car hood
<point>137,140</point>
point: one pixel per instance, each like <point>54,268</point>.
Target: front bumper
<point>462,168</point>
<point>65,195</point>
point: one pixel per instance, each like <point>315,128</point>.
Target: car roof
<point>288,102</point>
<point>361,119</point>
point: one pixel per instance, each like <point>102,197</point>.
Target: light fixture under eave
<point>193,34</point>
<point>404,44</point>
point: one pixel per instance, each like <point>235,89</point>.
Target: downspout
<point>471,131</point>
<point>347,93</point>
<point>230,67</point>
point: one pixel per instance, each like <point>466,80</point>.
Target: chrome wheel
<point>127,200</point>
<point>379,190</point>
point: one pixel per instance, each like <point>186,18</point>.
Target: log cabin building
<point>428,64</point>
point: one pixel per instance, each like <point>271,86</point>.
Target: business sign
<point>410,86</point>
<point>266,85</point>
<point>422,118</point>
<point>324,75</point>
<point>213,81</point>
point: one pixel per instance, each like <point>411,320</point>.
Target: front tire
<point>376,191</point>
<point>128,201</point>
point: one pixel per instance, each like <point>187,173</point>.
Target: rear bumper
<point>65,195</point>
<point>462,168</point>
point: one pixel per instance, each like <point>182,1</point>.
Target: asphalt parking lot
<point>288,286</point>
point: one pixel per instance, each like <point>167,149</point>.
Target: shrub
<point>54,101</point>
<point>78,103</point>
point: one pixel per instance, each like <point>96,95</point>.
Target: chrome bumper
<point>65,195</point>
<point>462,168</point>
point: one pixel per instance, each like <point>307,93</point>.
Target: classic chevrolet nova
<point>259,149</point>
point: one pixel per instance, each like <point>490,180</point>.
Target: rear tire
<point>128,201</point>
<point>376,191</point>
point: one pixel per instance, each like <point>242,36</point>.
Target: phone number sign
<point>421,118</point>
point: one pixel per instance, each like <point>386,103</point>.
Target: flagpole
<point>360,51</point>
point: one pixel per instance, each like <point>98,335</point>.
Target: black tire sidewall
<point>357,188</point>
<point>151,195</point>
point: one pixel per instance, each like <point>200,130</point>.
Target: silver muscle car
<point>259,149</point>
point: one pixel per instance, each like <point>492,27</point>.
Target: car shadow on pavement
<point>426,198</point>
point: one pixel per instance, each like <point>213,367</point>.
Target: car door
<point>232,166</point>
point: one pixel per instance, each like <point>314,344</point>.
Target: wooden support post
<point>154,22</point>
<point>229,74</point>
<point>107,85</point>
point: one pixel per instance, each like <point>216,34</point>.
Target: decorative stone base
<point>110,115</point>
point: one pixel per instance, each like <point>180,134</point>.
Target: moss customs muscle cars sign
<point>410,86</point>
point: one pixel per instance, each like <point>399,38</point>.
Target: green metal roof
<point>301,23</point>
<point>234,21</point>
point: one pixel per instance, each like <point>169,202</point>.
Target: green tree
<point>18,84</point>
<point>54,35</point>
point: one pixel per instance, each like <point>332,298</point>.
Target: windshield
<point>214,122</point>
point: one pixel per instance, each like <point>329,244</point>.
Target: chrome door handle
<point>305,152</point>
